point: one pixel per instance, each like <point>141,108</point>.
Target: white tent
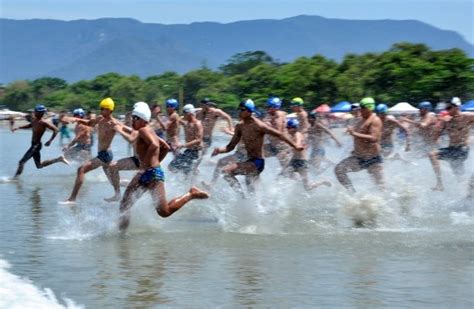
<point>403,108</point>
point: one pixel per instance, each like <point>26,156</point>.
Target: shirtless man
<point>302,116</point>
<point>150,151</point>
<point>155,114</point>
<point>38,126</point>
<point>366,154</point>
<point>425,129</point>
<point>208,116</point>
<point>193,134</point>
<point>172,125</point>
<point>456,153</point>
<point>277,120</point>
<point>299,161</point>
<point>106,133</point>
<point>389,123</point>
<point>316,134</point>
<point>252,131</point>
<point>125,164</point>
<point>239,155</point>
<point>80,146</point>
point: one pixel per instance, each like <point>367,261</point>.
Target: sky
<point>457,15</point>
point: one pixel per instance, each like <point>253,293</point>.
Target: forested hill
<point>83,49</point>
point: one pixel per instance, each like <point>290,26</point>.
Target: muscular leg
<point>81,171</point>
<point>233,158</point>
<point>241,168</point>
<point>125,164</point>
<point>164,208</point>
<point>349,164</point>
<point>437,170</point>
<point>132,193</point>
<point>376,171</point>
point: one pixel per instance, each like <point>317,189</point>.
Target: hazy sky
<point>454,15</point>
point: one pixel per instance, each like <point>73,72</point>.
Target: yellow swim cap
<point>297,101</point>
<point>107,103</point>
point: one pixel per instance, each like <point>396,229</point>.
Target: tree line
<point>405,72</point>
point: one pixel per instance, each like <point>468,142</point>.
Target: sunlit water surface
<point>282,248</point>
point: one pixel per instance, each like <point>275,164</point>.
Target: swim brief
<point>152,174</point>
<point>453,153</point>
<point>298,164</point>
<point>366,163</point>
<point>105,156</point>
<point>259,164</point>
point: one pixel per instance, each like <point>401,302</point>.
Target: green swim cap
<point>368,103</point>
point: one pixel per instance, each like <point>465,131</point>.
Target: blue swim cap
<point>248,104</point>
<point>425,105</point>
<point>292,123</point>
<point>40,108</point>
<point>173,103</point>
<point>381,108</point>
<point>78,112</point>
<point>274,102</point>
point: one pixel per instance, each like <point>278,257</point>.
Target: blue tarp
<point>341,107</point>
<point>468,106</point>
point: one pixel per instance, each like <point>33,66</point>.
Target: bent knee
<point>163,213</point>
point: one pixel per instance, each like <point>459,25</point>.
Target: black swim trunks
<point>185,161</point>
<point>105,156</point>
<point>33,151</point>
<point>453,153</point>
<point>298,164</point>
<point>366,163</point>
<point>136,161</point>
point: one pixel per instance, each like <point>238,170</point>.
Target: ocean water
<point>283,247</point>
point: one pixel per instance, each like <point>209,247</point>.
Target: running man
<point>316,134</point>
<point>208,115</point>
<point>277,120</point>
<point>252,131</point>
<point>425,129</point>
<point>299,162</point>
<point>302,116</point>
<point>150,151</point>
<point>125,164</point>
<point>389,123</point>
<point>367,152</point>
<point>80,146</point>
<point>106,133</point>
<point>172,125</point>
<point>38,126</point>
<point>457,152</point>
<point>193,134</point>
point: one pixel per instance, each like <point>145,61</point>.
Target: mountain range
<point>83,49</point>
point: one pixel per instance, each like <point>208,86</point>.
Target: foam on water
<point>20,293</point>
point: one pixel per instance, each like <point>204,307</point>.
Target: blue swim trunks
<point>105,156</point>
<point>259,164</point>
<point>152,174</point>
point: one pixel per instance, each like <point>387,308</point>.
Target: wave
<point>16,292</point>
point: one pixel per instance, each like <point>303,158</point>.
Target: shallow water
<point>282,248</point>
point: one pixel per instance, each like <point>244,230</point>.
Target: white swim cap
<point>189,108</point>
<point>456,101</point>
<point>142,110</point>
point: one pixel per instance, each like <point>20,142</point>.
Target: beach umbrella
<point>341,107</point>
<point>468,106</point>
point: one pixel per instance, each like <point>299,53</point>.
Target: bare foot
<point>114,198</point>
<point>198,193</point>
<point>63,159</point>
